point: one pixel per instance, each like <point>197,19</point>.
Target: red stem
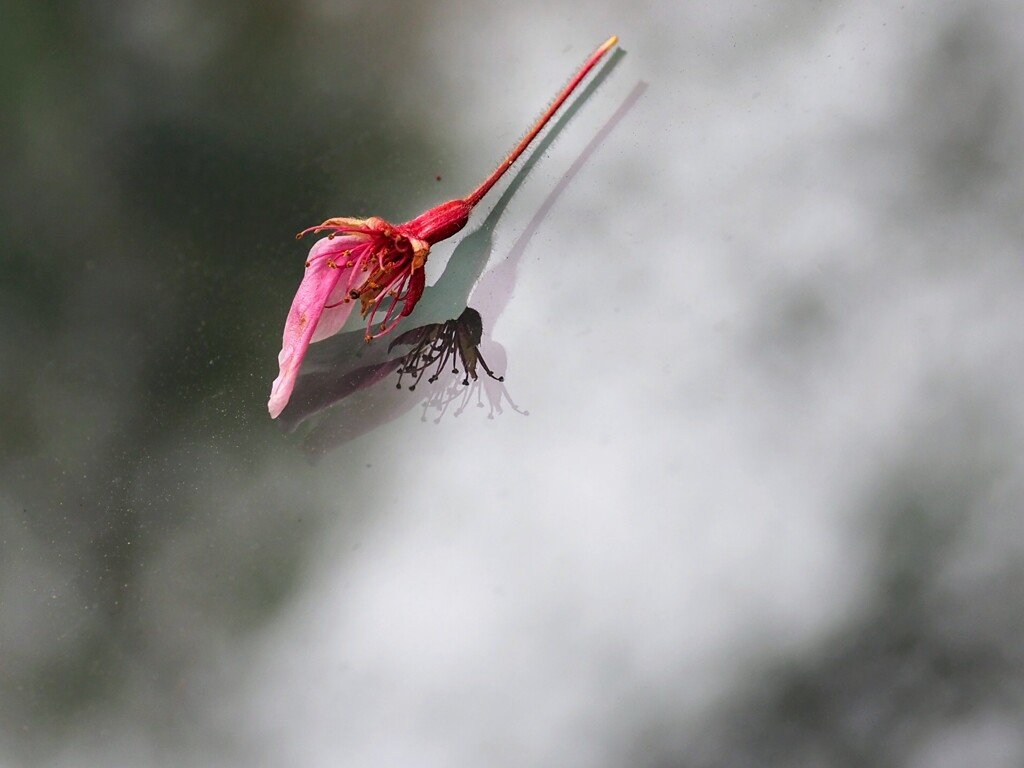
<point>475,196</point>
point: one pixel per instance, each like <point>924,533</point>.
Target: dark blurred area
<point>157,159</point>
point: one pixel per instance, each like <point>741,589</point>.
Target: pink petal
<point>339,306</point>
<point>314,291</point>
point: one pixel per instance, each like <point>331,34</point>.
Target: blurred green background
<point>157,159</point>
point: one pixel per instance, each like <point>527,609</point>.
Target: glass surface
<point>748,493</point>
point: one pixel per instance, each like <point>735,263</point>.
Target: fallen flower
<point>372,261</point>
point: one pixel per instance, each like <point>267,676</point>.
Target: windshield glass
<point>695,440</point>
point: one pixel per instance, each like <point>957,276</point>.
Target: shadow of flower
<point>439,344</point>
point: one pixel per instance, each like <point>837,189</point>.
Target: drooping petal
<point>339,304</point>
<point>318,282</point>
<point>364,260</point>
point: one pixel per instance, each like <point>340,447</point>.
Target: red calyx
<point>440,222</point>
